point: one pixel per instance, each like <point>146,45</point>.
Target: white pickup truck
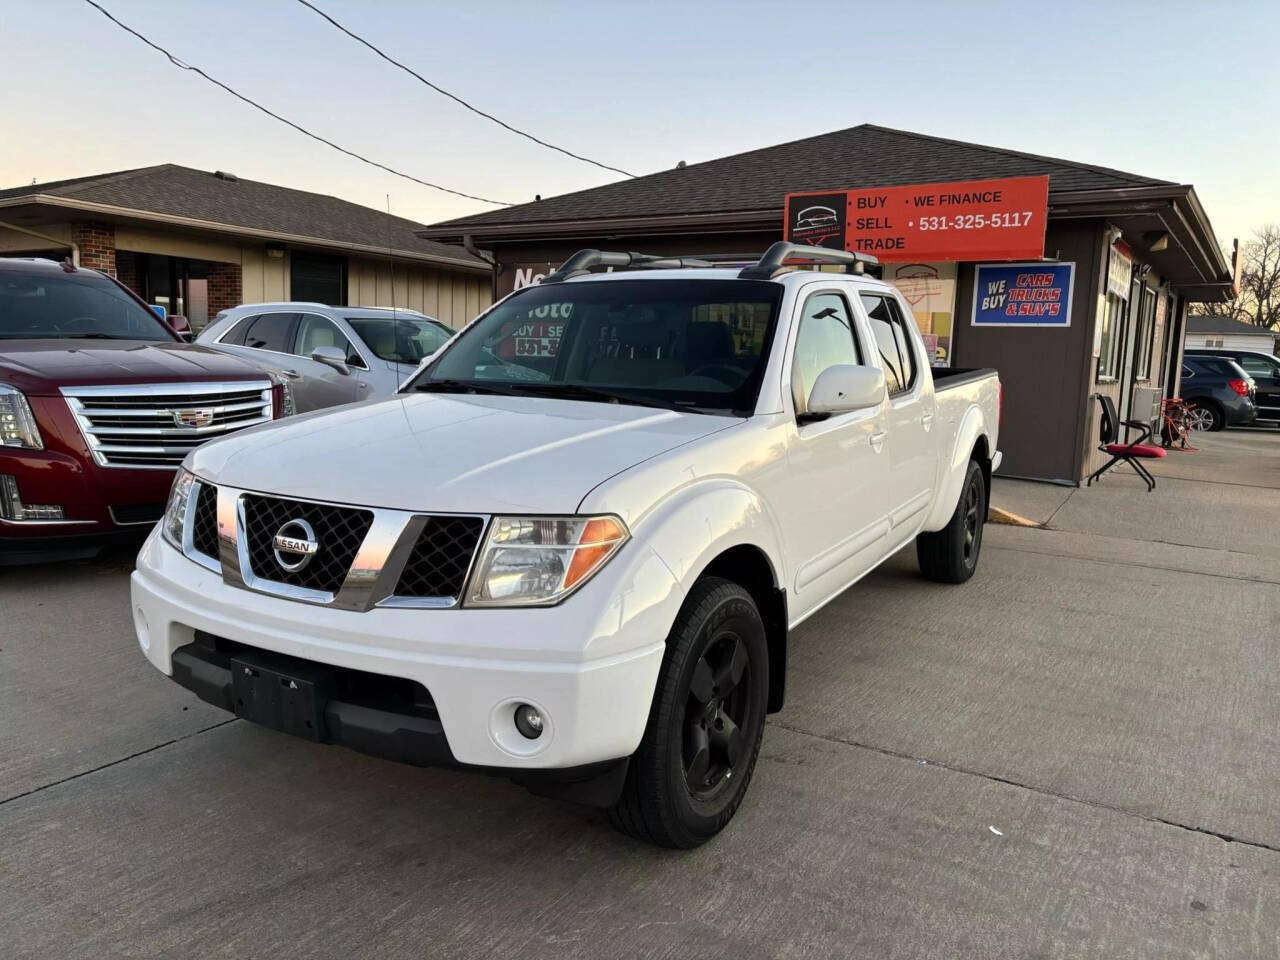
<point>570,550</point>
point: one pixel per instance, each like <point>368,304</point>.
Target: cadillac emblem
<point>196,417</point>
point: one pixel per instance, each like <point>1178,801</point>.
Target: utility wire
<point>257,106</point>
<point>456,99</point>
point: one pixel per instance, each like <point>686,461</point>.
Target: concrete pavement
<point>1104,694</point>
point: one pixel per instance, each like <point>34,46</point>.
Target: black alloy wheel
<point>715,711</point>
<point>973,520</point>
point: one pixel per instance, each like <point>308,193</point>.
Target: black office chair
<point>1130,452</point>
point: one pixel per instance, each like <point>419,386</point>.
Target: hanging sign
<point>1119,271</point>
<point>1023,294</point>
<point>964,220</point>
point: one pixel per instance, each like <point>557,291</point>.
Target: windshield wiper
<point>577,391</point>
<point>463,386</point>
<point>91,336</point>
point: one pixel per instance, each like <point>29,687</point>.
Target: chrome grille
<point>339,531</point>
<point>441,557</point>
<point>156,425</point>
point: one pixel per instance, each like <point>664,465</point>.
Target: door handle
<point>292,374</point>
<point>877,440</point>
<point>926,421</point>
<point>363,385</point>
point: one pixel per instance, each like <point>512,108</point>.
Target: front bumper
<point>588,665</point>
<point>94,501</point>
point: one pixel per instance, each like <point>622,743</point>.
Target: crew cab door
<point>832,505</point>
<point>910,439</point>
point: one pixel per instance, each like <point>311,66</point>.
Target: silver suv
<point>330,355</point>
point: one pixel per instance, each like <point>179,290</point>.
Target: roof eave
<point>192,223</point>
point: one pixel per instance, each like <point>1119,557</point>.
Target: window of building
<point>825,339</point>
<point>317,278</point>
<point>1112,336</point>
<point>893,341</point>
<point>266,331</point>
<point>1144,336</point>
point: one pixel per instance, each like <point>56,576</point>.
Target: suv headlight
<point>541,560</point>
<point>281,398</point>
<point>17,422</point>
<point>175,511</point>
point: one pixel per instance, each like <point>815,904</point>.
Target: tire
<point>1206,415</point>
<point>673,797</point>
<point>951,554</point>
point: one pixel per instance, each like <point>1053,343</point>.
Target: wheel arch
<point>972,442</point>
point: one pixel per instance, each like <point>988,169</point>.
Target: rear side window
<point>892,341</point>
<point>266,331</point>
<point>825,339</point>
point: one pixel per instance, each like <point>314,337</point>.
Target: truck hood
<point>40,367</point>
<point>451,453</point>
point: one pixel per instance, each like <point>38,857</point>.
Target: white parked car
<point>571,549</point>
<point>329,355</point>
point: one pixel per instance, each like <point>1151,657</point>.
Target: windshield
<point>692,344</point>
<point>402,339</point>
<point>48,307</point>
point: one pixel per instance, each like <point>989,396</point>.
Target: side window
<point>1255,366</point>
<point>317,331</point>
<point>825,339</point>
<point>267,331</point>
<point>892,341</point>
<point>1187,372</point>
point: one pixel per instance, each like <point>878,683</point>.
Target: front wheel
<point>692,769</point>
<point>951,554</point>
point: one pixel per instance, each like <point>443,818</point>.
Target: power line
<point>454,97</point>
<point>303,130</point>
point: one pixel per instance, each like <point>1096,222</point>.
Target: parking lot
<point>1077,754</point>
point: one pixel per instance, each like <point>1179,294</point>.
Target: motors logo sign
<point>817,220</point>
<point>960,221</point>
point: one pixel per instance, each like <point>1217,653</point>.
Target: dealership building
<point>196,242</point>
<point>1122,257</point>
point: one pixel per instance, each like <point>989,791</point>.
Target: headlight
<point>281,398</point>
<point>175,511</point>
<point>541,560</point>
<point>17,423</point>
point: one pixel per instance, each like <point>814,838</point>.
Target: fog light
<point>528,722</point>
<point>12,507</point>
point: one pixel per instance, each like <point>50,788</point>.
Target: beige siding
<point>451,297</point>
<point>13,241</point>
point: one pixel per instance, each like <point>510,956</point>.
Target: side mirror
<point>843,388</point>
<point>334,357</point>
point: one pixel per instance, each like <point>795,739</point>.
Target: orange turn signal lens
<point>600,537</point>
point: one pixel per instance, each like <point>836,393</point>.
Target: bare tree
<point>1259,299</point>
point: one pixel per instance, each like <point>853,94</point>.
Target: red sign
<point>967,220</point>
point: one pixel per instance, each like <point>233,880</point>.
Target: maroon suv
<point>99,402</point>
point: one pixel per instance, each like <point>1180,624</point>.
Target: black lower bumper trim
<point>384,717</point>
<point>18,551</point>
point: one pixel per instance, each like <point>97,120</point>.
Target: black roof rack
<point>775,258</point>
<point>584,260</point>
<point>766,267</point>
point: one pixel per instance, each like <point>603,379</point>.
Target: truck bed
<point>944,378</point>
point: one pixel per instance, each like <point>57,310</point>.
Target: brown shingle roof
<point>1211,324</point>
<point>172,190</point>
<point>861,156</point>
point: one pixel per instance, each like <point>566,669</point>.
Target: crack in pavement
<point>116,762</point>
<point>1134,563</point>
<point>1041,791</point>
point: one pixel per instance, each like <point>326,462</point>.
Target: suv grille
<point>438,564</point>
<point>339,531</point>
<point>204,522</point>
<point>155,426</point>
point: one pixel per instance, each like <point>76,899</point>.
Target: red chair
<point>1130,452</point>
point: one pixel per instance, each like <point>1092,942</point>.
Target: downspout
<point>469,245</point>
<point>75,249</point>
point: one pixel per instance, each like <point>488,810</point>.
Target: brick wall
<point>224,287</point>
<point>97,243</point>
<point>127,270</point>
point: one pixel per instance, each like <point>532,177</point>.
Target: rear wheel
<point>699,750</point>
<point>1204,416</point>
<point>951,554</point>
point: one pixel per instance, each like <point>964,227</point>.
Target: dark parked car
<point>99,403</point>
<point>1265,371</point>
<point>1219,393</point>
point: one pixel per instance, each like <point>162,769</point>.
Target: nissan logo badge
<point>295,544</point>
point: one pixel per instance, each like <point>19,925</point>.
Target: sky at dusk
<point>1184,92</point>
